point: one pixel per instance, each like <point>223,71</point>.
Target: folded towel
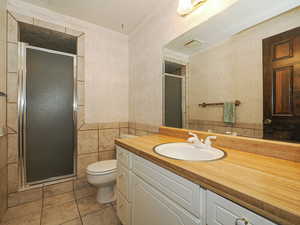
<point>229,112</point>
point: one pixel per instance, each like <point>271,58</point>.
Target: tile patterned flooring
<point>61,205</point>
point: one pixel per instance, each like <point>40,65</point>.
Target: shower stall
<point>46,114</point>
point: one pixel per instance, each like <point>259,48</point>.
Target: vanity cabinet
<point>150,206</point>
<point>148,194</point>
<point>124,185</point>
<point>221,211</point>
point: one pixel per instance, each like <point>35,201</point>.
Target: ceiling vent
<point>193,44</point>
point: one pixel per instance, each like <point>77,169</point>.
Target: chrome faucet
<point>195,140</point>
<point>208,139</point>
<point>199,142</point>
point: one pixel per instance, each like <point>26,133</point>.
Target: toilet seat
<point>102,167</point>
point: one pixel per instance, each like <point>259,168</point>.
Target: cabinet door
<point>123,209</point>
<point>150,207</point>
<point>123,181</point>
<point>178,189</point>
<point>221,211</point>
<point>124,157</point>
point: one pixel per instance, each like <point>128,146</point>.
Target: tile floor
<point>70,203</point>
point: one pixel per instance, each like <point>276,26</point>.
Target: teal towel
<point>229,112</point>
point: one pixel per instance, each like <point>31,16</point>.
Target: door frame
<point>21,103</point>
<point>184,92</point>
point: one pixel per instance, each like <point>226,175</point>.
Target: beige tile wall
<point>3,140</point>
<point>242,129</point>
<point>95,141</point>
<point>12,90</point>
<point>12,109</point>
<point>140,129</point>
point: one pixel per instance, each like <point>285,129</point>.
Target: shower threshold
<point>47,182</point>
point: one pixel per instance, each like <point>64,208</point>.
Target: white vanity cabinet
<point>148,194</point>
<point>124,185</point>
<point>221,211</point>
<point>151,207</point>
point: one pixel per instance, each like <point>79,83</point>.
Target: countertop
<point>268,186</point>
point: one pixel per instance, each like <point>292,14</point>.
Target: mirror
<point>233,80</point>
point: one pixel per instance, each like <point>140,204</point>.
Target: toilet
<point>103,176</point>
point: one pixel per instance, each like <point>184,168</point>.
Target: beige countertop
<point>265,185</point>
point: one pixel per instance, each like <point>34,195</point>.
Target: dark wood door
<point>281,62</point>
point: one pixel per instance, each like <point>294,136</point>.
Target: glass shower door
<point>47,115</point>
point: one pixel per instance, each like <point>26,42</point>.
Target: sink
<point>190,152</point>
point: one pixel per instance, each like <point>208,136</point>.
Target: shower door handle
<point>22,109</point>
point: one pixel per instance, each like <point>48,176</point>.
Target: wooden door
<point>281,65</point>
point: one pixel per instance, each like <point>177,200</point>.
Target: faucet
<point>208,139</point>
<point>199,142</point>
<point>195,140</point>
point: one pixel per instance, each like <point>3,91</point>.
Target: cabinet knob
<point>242,221</point>
<point>267,121</point>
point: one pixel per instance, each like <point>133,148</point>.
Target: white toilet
<point>103,175</point>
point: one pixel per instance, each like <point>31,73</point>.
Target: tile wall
<point>95,142</point>
<point>12,88</point>
<point>12,114</point>
<point>3,139</point>
<point>242,129</point>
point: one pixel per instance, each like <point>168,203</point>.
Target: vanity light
<point>185,7</point>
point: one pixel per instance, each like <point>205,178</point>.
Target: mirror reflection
<point>238,81</point>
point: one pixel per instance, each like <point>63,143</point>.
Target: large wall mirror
<point>236,80</point>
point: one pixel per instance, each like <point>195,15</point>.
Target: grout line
<point>6,108</point>
<point>43,199</point>
<point>11,42</point>
<point>76,202</point>
<point>88,153</point>
<point>81,34</point>
<point>8,12</point>
<point>99,155</point>
<point>107,205</point>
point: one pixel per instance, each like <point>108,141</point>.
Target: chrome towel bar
<point>237,103</point>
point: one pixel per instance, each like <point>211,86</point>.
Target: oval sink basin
<point>187,151</point>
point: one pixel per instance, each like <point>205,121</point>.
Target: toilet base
<point>106,194</point>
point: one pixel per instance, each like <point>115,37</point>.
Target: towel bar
<point>237,103</point>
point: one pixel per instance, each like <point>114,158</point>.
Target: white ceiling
<point>107,13</point>
<point>240,16</point>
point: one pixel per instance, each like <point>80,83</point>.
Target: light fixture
<point>185,7</point>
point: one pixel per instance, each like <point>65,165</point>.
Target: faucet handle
<point>208,140</point>
<point>192,134</point>
<point>195,139</point>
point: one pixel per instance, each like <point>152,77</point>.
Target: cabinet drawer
<point>123,209</point>
<point>221,211</point>
<point>123,181</point>
<point>124,157</point>
<point>151,207</point>
<point>182,191</point>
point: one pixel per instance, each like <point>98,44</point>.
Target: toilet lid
<point>102,166</point>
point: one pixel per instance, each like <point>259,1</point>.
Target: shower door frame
<point>22,106</point>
